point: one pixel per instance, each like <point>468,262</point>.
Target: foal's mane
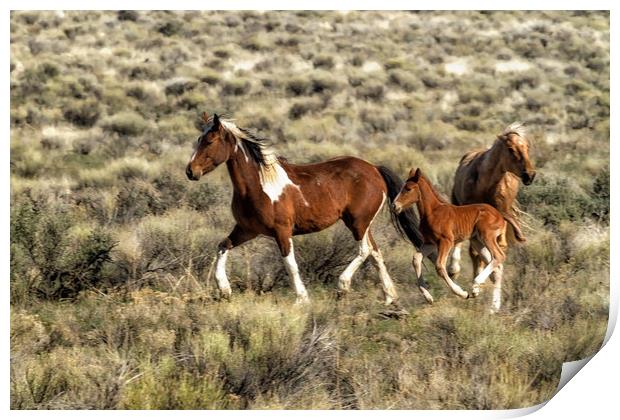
<point>440,196</point>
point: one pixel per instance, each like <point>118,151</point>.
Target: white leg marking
<point>455,266</point>
<point>484,274</point>
<point>344,281</point>
<point>497,290</point>
<point>386,282</point>
<point>293,272</point>
<point>220,273</point>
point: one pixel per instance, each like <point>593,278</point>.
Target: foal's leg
<point>389,291</point>
<point>440,264</point>
<point>236,238</point>
<point>285,243</point>
<point>418,256</point>
<point>455,261</point>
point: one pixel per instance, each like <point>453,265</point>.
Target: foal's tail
<point>407,222</point>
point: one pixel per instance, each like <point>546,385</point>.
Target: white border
<point>594,394</point>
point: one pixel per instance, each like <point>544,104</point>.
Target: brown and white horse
<point>443,225</point>
<point>279,199</point>
<point>492,176</point>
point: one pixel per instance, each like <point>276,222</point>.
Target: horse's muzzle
<point>528,177</point>
<point>190,174</point>
<point>397,208</point>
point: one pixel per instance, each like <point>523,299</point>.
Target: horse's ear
<point>205,117</point>
<point>411,173</point>
<point>216,121</point>
<point>417,174</point>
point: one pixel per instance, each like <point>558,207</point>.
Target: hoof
<point>390,301</point>
<point>341,294</point>
<point>225,294</point>
<point>475,291</point>
<point>427,296</point>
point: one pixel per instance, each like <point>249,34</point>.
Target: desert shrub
<point>601,196</point>
<point>553,199</point>
<point>323,61</point>
<point>303,107</point>
<point>371,90</point>
<point>298,86</point>
<point>82,113</point>
<point>404,80</point>
<point>137,199</point>
<point>236,87</point>
<point>256,43</point>
<point>324,83</point>
<point>48,260</point>
<point>377,120</point>
<point>127,123</point>
<point>210,77</point>
<point>130,15</point>
<point>170,28</point>
<point>179,86</point>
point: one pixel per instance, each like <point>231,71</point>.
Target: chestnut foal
<point>275,198</point>
<point>443,225</point>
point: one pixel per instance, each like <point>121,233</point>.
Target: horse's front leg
<point>285,243</point>
<point>418,256</point>
<point>236,238</point>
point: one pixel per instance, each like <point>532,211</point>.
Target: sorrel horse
<point>492,176</point>
<point>275,198</point>
<point>443,225</point>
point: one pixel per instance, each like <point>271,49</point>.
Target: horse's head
<point>213,148</point>
<point>410,192</point>
<point>515,155</point>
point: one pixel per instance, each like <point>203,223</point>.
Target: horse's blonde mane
<point>267,160</point>
<point>517,128</point>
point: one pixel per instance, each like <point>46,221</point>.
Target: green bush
<point>83,113</point>
<point>47,260</point>
<point>126,123</point>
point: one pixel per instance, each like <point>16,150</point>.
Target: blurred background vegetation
<point>112,296</point>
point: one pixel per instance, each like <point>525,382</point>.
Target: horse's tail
<point>516,229</point>
<point>407,222</point>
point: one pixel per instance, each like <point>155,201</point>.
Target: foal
<point>443,225</point>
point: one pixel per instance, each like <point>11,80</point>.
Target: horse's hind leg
<point>440,265</point>
<point>389,291</point>
<point>344,281</point>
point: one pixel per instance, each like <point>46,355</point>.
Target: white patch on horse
<point>273,180</point>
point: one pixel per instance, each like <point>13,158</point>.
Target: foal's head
<point>214,146</point>
<point>410,192</point>
<point>515,153</point>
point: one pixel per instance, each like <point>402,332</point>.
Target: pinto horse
<point>443,225</point>
<point>278,199</point>
<point>492,176</point>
